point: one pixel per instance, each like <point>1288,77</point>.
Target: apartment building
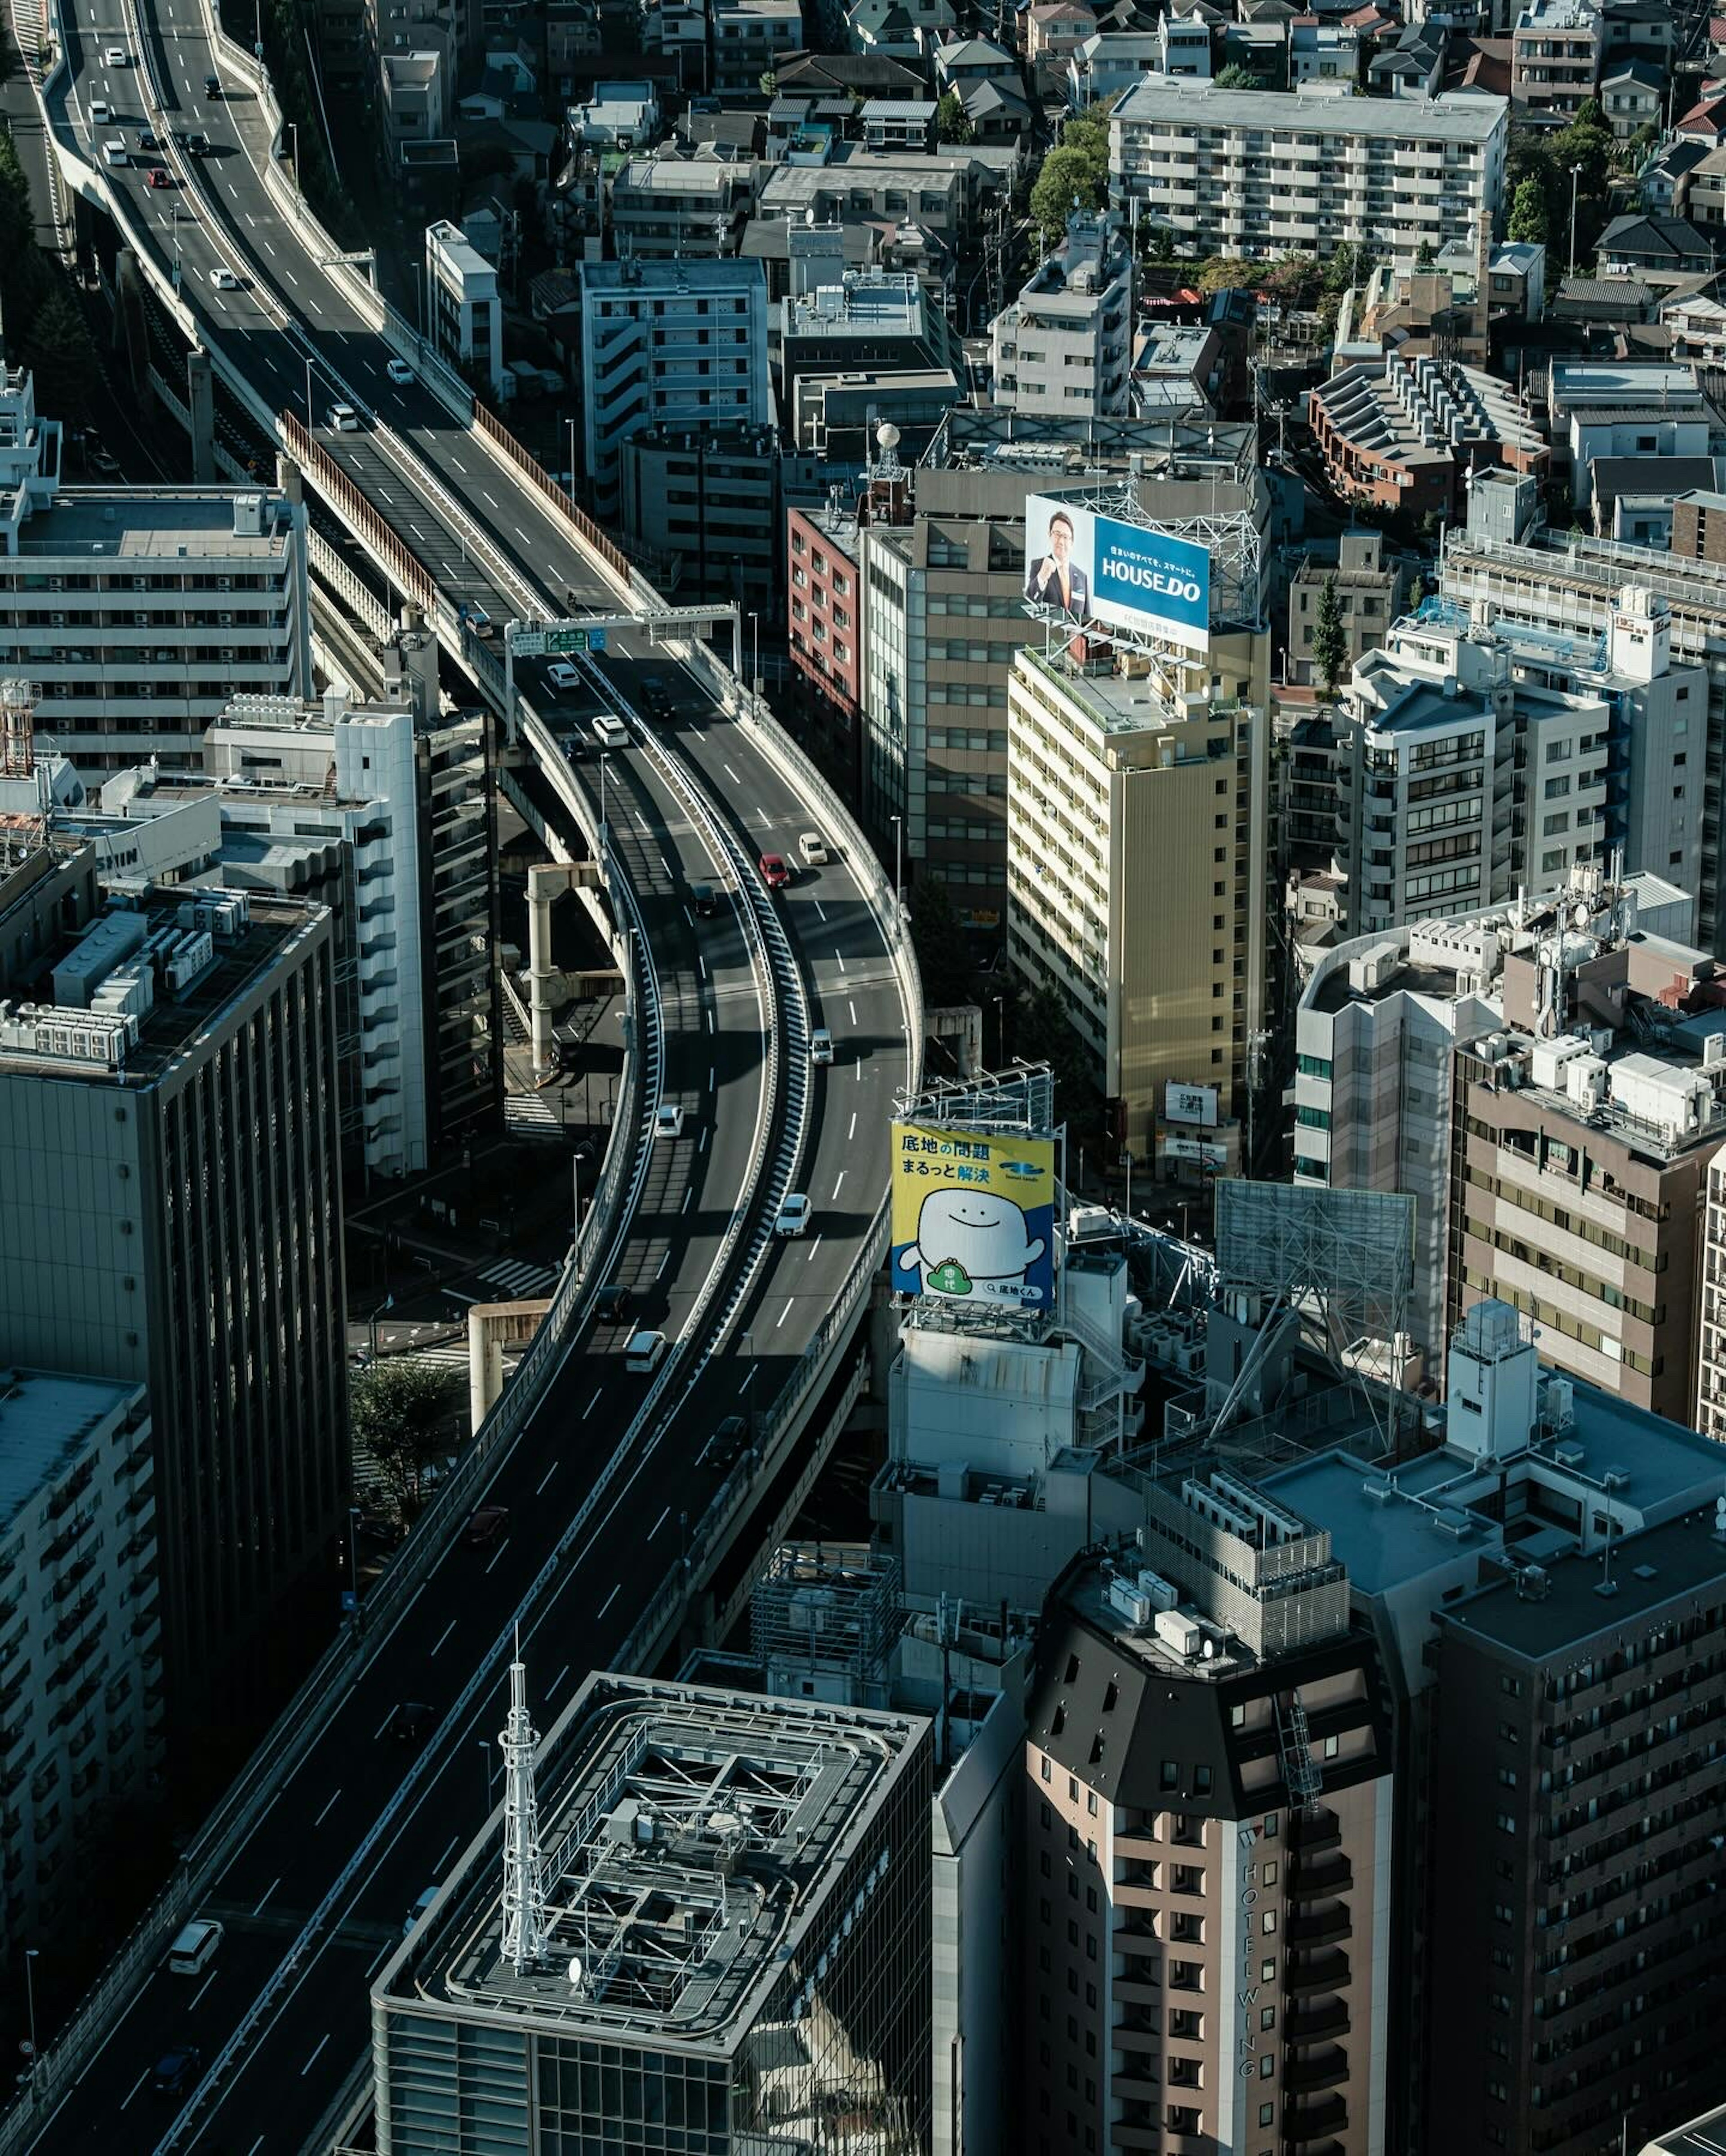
<point>672,207</point>
<point>749,38</point>
<point>862,320</point>
<point>1064,348</point>
<point>137,613</point>
<point>170,1215</point>
<point>1711,1315</point>
<point>671,345</point>
<point>80,1640</point>
<point>1555,55</point>
<point>1576,590</point>
<point>824,625</point>
<point>1472,760</point>
<point>1402,435</point>
<point>1266,172</point>
<point>464,304</point>
<point>1581,1132</point>
<point>744,1882</point>
<point>949,192</point>
<point>1207,1875</point>
<point>1138,829</point>
<point>1370,594</point>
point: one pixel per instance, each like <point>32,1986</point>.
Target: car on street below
<point>642,1355</point>
<point>344,419</point>
<point>794,1215</point>
<point>116,56</point>
<point>668,1119</point>
<point>177,2071</point>
<point>612,1303</point>
<point>705,900</point>
<point>775,874</point>
<point>726,1446</point>
<point>611,730</point>
<point>814,849</point>
<point>563,675</point>
<point>399,372</point>
<point>197,145</point>
<point>820,1046</point>
<point>413,1722</point>
<point>147,140</point>
<point>486,1526</point>
<point>213,85</point>
<point>224,279</point>
<point>100,112</point>
<point>159,176</point>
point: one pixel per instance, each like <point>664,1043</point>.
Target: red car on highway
<point>775,874</point>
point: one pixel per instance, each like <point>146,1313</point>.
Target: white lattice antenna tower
<point>524,1926</point>
<point>18,729</point>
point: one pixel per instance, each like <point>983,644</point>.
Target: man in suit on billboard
<point>1056,579</point>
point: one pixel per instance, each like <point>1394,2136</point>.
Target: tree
<point>1043,1032</point>
<point>1528,212</point>
<point>1068,180</point>
<point>1156,243</point>
<point>952,123</point>
<point>59,353</point>
<point>1423,255</point>
<point>1292,281</point>
<point>943,956</point>
<point>1330,639</point>
<point>397,1408</point>
<point>1234,76</point>
<point>1226,273</point>
<point>770,83</point>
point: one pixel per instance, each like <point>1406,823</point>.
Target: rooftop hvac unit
<point>1176,1629</point>
<point>1132,1602</point>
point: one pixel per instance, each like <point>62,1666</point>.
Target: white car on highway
<point>99,113</point>
<point>668,1120</point>
<point>116,56</point>
<point>610,729</point>
<point>344,419</point>
<point>563,676</point>
<point>224,279</point>
<point>398,371</point>
<point>793,1216</point>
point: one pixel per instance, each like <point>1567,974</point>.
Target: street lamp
<point>484,1744</point>
<point>571,425</point>
<point>1575,173</point>
<point>898,824</point>
<point>388,1303</point>
<point>30,1955</point>
<point>754,657</point>
<point>310,423</point>
<point>603,839</point>
<point>294,129</point>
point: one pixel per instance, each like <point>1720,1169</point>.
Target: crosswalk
<point>529,1116</point>
<point>520,1279</point>
<point>450,1355</point>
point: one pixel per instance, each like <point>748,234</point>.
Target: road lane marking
<point>592,1403</point>
<point>687,1195</point>
<point>268,1892</point>
<point>450,1851</point>
<point>557,1680</point>
<point>703,1146</point>
<point>730,775</point>
<point>383,1725</point>
<point>312,2061</point>
<point>784,1314</point>
<point>852,1009</point>
<point>323,1815</point>
<point>814,1247</point>
<point>710,1022</point>
<point>378,1959</point>
<point>840,956</point>
<point>710,1077</point>
<point>134,2089</point>
<point>664,1262</point>
<point>491,498</point>
<point>821,909</point>
<point>659,1523</point>
<point>522,537</point>
<point>205,1985</point>
<point>611,1597</point>
<point>841,1179</point>
<point>445,1634</point>
<point>501,1547</point>
<point>852,1132</point>
<point>539,1491</point>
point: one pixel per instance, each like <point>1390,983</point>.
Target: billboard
<point>1189,1104</point>
<point>1096,569</point>
<point>973,1216</point>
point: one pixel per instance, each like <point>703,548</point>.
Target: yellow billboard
<point>973,1216</point>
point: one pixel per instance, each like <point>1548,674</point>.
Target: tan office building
<point>1137,853</point>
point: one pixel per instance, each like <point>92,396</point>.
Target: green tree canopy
<point>59,350</point>
<point>1068,180</point>
<point>1330,639</point>
<point>1528,212</point>
<point>943,953</point>
<point>952,123</point>
<point>1234,76</point>
<point>1226,273</point>
<point>399,1409</point>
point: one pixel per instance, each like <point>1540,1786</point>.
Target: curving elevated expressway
<point>617,1509</point>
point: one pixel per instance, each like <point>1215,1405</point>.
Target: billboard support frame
<point>1230,538</point>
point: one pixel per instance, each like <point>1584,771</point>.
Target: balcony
<point>1319,1829</point>
<point>1316,1972</point>
<point>1323,2070</point>
<point>1321,1927</point>
<point>1328,2018</point>
<point>1329,1872</point>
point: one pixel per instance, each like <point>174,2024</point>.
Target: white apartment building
<point>1473,760</point>
<point>80,1637</point>
<point>669,344</point>
<point>136,612</point>
<point>671,208</point>
<point>1064,348</point>
<point>1267,173</point>
<point>1136,825</point>
<point>750,37</point>
<point>463,305</point>
<point>1711,1325</point>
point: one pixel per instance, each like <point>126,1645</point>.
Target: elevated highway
<point>617,1508</point>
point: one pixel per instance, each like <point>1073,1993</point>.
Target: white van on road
<point>195,1948</point>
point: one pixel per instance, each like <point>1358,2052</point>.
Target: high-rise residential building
<point>1711,1314</point>
<point>1263,172</point>
<point>824,628</point>
<point>1208,1873</point>
<point>464,303</point>
<point>736,1950</point>
<point>1578,590</point>
<point>1473,761</point>
<point>670,344</point>
<point>171,1213</point>
<point>137,612</point>
<point>1138,841</point>
<point>1375,1030</point>
<point>1064,348</point>
<point>1581,1136</point>
<point>80,1640</point>
<point>1555,55</point>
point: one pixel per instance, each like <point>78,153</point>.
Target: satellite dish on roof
<point>575,1973</point>
<point>887,435</point>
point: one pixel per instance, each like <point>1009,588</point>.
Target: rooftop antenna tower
<point>18,729</point>
<point>525,1927</point>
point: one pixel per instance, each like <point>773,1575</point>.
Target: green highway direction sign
<point>555,642</point>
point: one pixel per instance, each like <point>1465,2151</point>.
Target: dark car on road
<point>612,1303</point>
<point>729,1442</point>
<point>413,1723</point>
<point>705,900</point>
<point>486,1525</point>
<point>177,2071</point>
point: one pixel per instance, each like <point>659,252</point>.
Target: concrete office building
<point>711,500</point>
<point>80,1640</point>
<point>1578,590</point>
<point>138,612</point>
<point>1267,173</point>
<point>463,305</point>
<point>1711,1315</point>
<point>1138,836</point>
<point>1369,591</point>
<point>1064,346</point>
<point>671,207</point>
<point>171,1214</point>
<point>1207,1875</point>
<point>677,346</point>
<point>744,1883</point>
<point>1581,1133</point>
<point>856,320</point>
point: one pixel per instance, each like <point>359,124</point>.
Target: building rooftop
<point>689,272</point>
<point>45,1420</point>
<point>1183,101</point>
<point>866,303</point>
<point>144,982</point>
<point>1578,1599</point>
<point>161,525</point>
<point>692,1841</point>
